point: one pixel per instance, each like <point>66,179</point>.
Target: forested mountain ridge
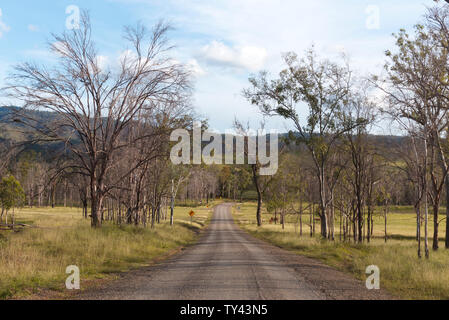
<point>11,129</point>
<point>16,133</point>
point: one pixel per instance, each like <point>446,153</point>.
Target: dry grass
<point>37,258</point>
<point>402,273</point>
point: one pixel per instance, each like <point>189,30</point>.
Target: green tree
<point>416,88</point>
<point>324,87</point>
<point>11,194</point>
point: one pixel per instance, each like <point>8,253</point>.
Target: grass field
<point>401,272</point>
<point>36,259</point>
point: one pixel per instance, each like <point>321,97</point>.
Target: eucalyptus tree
<point>178,175</point>
<point>413,166</point>
<point>360,109</point>
<point>324,87</point>
<point>438,23</point>
<point>414,91</point>
<point>11,196</point>
<point>282,194</point>
<point>260,181</point>
<point>242,179</point>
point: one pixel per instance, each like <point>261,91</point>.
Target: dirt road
<point>229,264</point>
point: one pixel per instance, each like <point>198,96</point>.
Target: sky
<point>223,42</point>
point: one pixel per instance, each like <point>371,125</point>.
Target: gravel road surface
<point>229,264</point>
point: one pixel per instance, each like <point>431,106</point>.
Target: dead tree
<point>95,105</point>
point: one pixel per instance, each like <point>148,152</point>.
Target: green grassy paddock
<point>36,259</point>
<point>401,272</point>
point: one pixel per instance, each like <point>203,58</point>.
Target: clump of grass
<point>37,258</point>
<point>401,272</point>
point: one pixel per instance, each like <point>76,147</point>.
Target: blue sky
<point>222,41</point>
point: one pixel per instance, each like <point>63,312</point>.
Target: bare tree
<point>97,106</point>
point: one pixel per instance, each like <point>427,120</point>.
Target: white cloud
<point>103,62</point>
<point>248,57</point>
<point>3,27</point>
<point>127,57</point>
<point>244,36</point>
<point>195,68</point>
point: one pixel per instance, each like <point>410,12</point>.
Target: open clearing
<point>401,272</point>
<point>35,259</point>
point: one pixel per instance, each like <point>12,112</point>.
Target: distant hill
<point>16,132</point>
<point>8,129</point>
